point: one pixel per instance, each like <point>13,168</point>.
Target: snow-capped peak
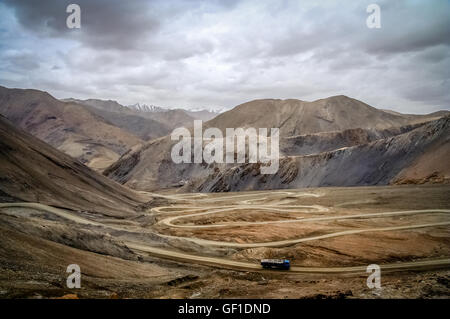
<point>146,108</point>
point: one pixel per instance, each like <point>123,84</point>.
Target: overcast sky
<point>218,54</point>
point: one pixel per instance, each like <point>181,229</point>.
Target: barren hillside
<point>296,117</point>
<point>351,124</point>
<point>145,123</point>
<point>381,162</point>
<point>32,170</point>
<point>132,122</point>
<point>67,126</point>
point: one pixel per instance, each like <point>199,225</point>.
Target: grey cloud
<point>409,26</point>
<point>112,24</point>
<point>222,53</point>
<point>20,60</point>
<point>436,54</point>
<point>435,92</point>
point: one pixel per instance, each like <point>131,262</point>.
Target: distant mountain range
<point>145,121</point>
<point>198,114</point>
<point>114,106</point>
<point>146,108</point>
<point>312,134</point>
<point>337,141</point>
<point>67,126</point>
<point>296,117</point>
<point>97,132</point>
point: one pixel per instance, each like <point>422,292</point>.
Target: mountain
<point>125,118</point>
<point>32,170</point>
<point>296,117</point>
<point>198,114</point>
<point>417,156</point>
<point>350,123</point>
<point>66,126</point>
<point>327,141</point>
<point>146,121</point>
<point>146,108</point>
<point>107,105</point>
<point>204,115</point>
<point>171,118</point>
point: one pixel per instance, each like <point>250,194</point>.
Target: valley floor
<point>209,245</point>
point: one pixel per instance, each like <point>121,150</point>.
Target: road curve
<point>289,242</point>
<point>227,263</point>
<point>169,220</point>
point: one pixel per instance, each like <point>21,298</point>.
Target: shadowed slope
<point>31,170</point>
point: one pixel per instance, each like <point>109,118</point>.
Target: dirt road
<point>227,263</point>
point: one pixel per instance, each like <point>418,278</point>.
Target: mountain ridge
<point>380,162</point>
<point>295,117</point>
<point>150,166</point>
<point>67,126</point>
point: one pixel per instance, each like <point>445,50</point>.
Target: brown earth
<point>126,247</point>
<point>31,170</point>
<point>36,247</point>
<point>316,141</point>
<point>66,126</point>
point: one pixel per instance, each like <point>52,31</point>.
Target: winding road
<point>240,265</point>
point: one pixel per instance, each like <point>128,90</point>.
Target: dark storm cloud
<point>405,27</point>
<point>435,54</point>
<point>112,24</point>
<point>222,53</point>
<point>410,26</point>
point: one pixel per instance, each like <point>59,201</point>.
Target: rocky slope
<point>352,123</point>
<point>31,170</point>
<point>384,161</point>
<point>327,141</point>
